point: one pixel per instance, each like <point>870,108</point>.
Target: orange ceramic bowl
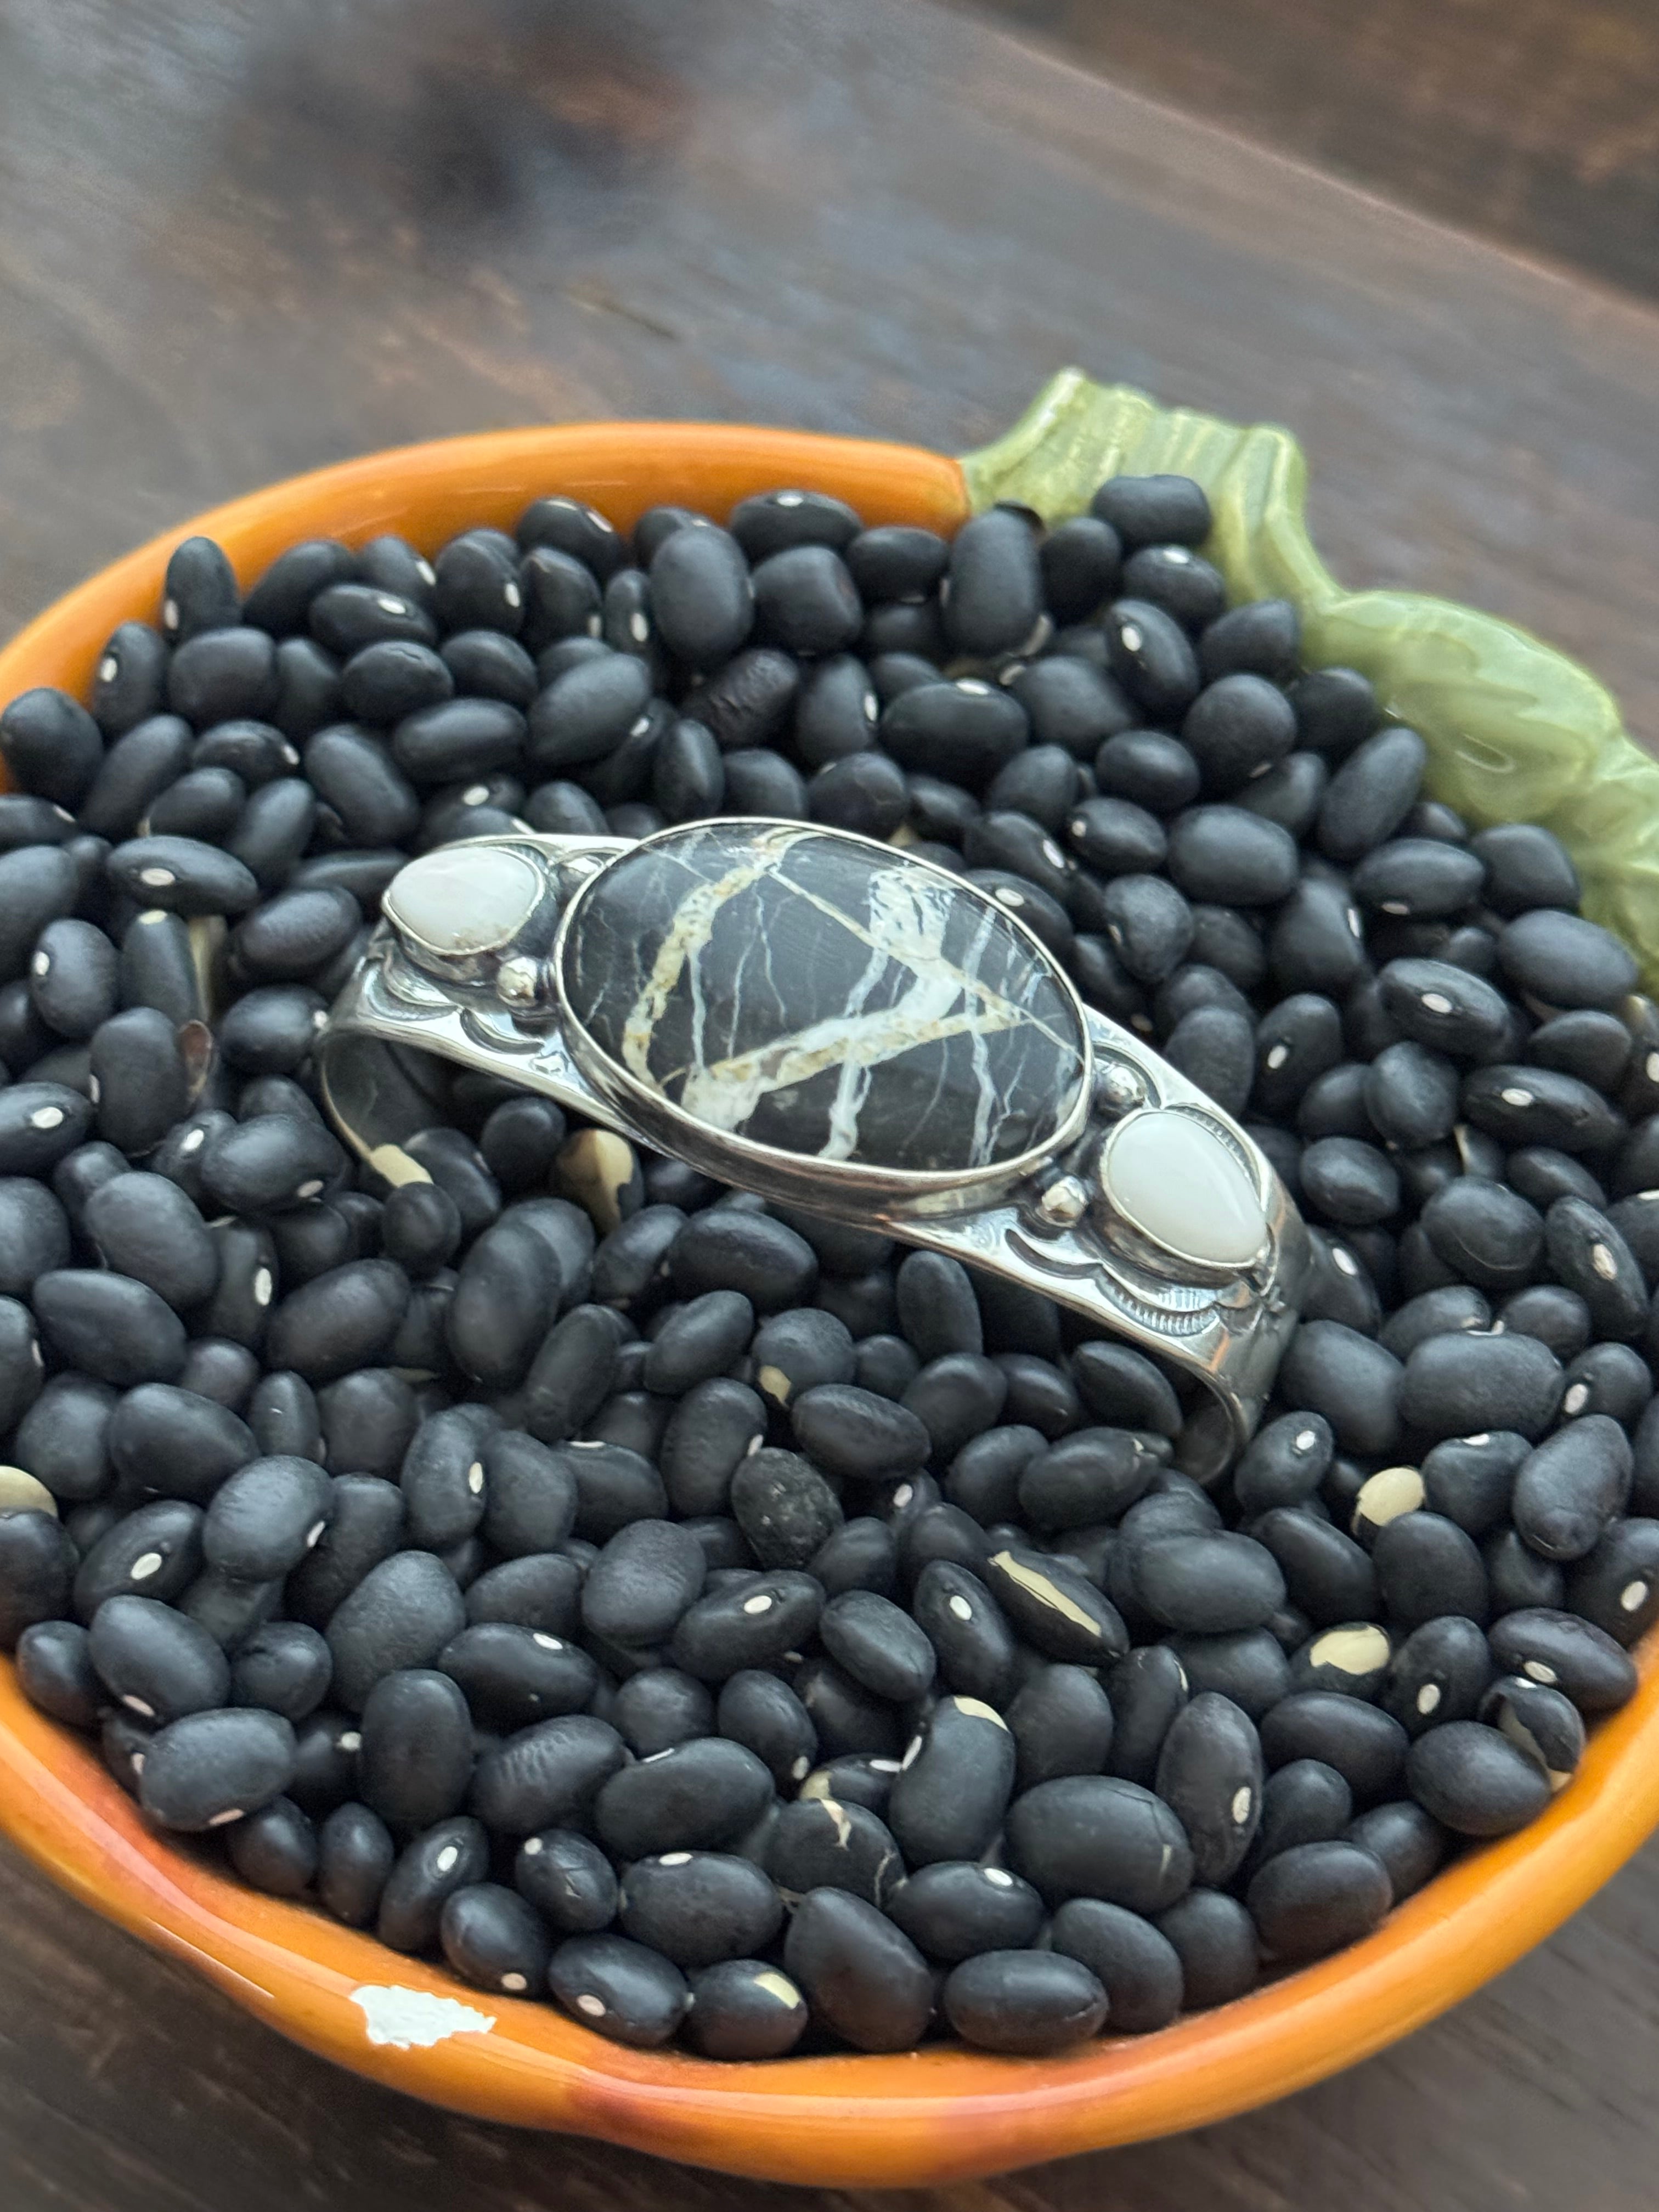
<point>926,2117</point>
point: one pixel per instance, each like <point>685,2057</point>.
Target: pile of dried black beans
<point>736,1626</point>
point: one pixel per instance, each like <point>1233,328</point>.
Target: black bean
<point>54,1673</point>
<point>1564,1653</point>
<point>993,587</point>
<point>1616,1587</point>
<point>1071,703</point>
<point>37,1568</point>
<point>784,1507</point>
<point>284,1666</point>
<point>157,1662</point>
<point>896,561</point>
<point>449,1857</point>
<point>1315,1897</point>
<point>172,1441</point>
<point>1138,1967</point>
<point>1366,1746</point>
<point>1208,1585</point>
<point>806,601</point>
<point>1284,1463</point>
<point>1222,854</point>
<point>953,1787</point>
<point>765,1716</point>
<point>1572,1487</point>
<point>354,1856</point>
<point>1607,1379</point>
<point>208,1769</point>
<point>699,1907</point>
<point>265,1516</point>
<point>1174,578</point>
<point>1420,877</point>
<point>1315,944</point>
<point>1564,960</point>
<point>283,1415</point>
<point>109,1326</point>
<point>1410,1844</point>
<point>1148,924</point>
<point>586,713</point>
<point>1371,793</point>
<point>1042,783</point>
<point>61,1438</point>
<point>51,746</point>
<point>402,1612</point>
<point>342,1320</point>
<point>1095,1836</point>
<point>1236,728</point>
<point>513,1676</point>
<point>26,820</point>
<point>73,977</point>
<point>1466,1382</point>
<point>822,1842</point>
<point>1475,1781</point>
<point>495,1939</point>
<point>702,597</point>
<point>1305,1802</point>
<point>1539,1721</point>
<point>1537,1106</point>
<point>1061,1722</point>
<point>796,1353</point>
<point>1353,1382</point>
<point>644,1579</point>
<point>1427,1565</point>
<point>964,730</point>
<point>697,1796</point>
<point>394,678</point>
<point>878,1644</point>
<point>710,1432</point>
<point>1587,1254</point>
<point>1023,2003</point>
<point>758,782</point>
<point>275,1850</point>
<point>1439,1673</point>
<point>415,1760</point>
<point>1485,1232</point>
<point>1349,1181</point>
<point>546,1775</point>
<point>752,1625</point>
<point>863,1978</point>
<point>1525,866</point>
<point>1158,510</point>
<point>727,1248</point>
<point>568,1879</point>
<point>1518,1578</point>
<point>1328,1574</point>
<point>1216,1941</point>
<point>1469,1479</point>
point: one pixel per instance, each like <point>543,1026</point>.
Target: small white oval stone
<point>463,899</point>
<point>1179,1186</point>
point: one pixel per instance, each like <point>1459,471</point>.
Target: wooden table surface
<point>239,238</point>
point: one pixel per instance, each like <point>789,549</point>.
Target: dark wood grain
<point>239,238</point>
<point>1531,121</point>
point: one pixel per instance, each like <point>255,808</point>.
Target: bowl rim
<point>911,2119</point>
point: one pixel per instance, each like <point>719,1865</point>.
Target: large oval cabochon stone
<point>824,997</point>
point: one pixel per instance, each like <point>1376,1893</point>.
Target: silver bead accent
<point>1118,1088</point>
<point>519,980</point>
<point>1063,1202</point>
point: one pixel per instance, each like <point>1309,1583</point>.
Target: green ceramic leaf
<point>1516,731</point>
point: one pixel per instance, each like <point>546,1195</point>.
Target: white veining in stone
<point>413,2019</point>
<point>1179,1185</point>
<point>463,899</point>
